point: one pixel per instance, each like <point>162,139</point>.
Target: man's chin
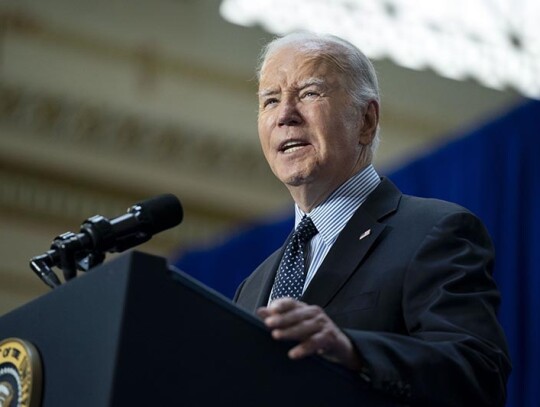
<point>296,180</point>
<point>297,177</point>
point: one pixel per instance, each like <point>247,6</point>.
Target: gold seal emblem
<point>20,374</point>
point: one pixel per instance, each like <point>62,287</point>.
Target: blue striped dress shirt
<point>332,215</point>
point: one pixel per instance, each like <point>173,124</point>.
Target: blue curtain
<point>493,171</point>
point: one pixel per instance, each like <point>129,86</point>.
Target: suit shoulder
<point>431,207</point>
<point>424,214</point>
<point>427,215</point>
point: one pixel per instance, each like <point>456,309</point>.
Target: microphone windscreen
<point>163,211</point>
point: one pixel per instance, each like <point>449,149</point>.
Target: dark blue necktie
<point>292,272</point>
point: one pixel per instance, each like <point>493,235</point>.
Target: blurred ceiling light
<point>496,42</point>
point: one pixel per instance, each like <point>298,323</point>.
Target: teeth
<point>292,146</point>
<point>292,149</point>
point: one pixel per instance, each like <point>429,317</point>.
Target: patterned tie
<point>292,274</point>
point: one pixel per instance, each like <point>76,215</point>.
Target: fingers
<point>296,325</point>
<point>318,343</point>
<point>331,344</point>
<point>316,333</point>
<point>280,306</point>
<point>289,319</point>
<point>294,318</point>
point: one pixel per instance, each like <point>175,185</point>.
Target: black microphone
<point>138,225</point>
<point>98,235</point>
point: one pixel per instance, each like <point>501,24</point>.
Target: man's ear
<point>370,122</point>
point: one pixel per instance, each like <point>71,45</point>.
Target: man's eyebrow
<point>301,85</point>
<point>267,92</point>
<point>311,82</point>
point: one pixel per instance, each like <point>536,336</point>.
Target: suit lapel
<point>268,274</point>
<point>355,241</point>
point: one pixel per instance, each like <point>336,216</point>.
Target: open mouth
<point>291,146</point>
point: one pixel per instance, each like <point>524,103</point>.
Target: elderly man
<point>394,287</point>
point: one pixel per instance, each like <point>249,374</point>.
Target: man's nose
<point>289,114</point>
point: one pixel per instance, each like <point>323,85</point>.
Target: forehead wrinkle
<point>312,69</point>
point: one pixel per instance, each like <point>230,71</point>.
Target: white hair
<point>363,86</point>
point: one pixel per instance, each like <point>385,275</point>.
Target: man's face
<point>309,130</point>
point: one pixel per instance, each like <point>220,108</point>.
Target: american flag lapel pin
<point>365,234</point>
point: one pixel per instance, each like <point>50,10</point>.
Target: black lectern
<point>133,333</point>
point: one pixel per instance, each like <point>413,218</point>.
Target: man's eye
<point>270,101</point>
<point>309,94</point>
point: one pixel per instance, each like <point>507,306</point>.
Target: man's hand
<point>308,324</point>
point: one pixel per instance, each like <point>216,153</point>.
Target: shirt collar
<point>331,216</point>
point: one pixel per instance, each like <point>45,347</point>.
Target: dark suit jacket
<point>415,296</point>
